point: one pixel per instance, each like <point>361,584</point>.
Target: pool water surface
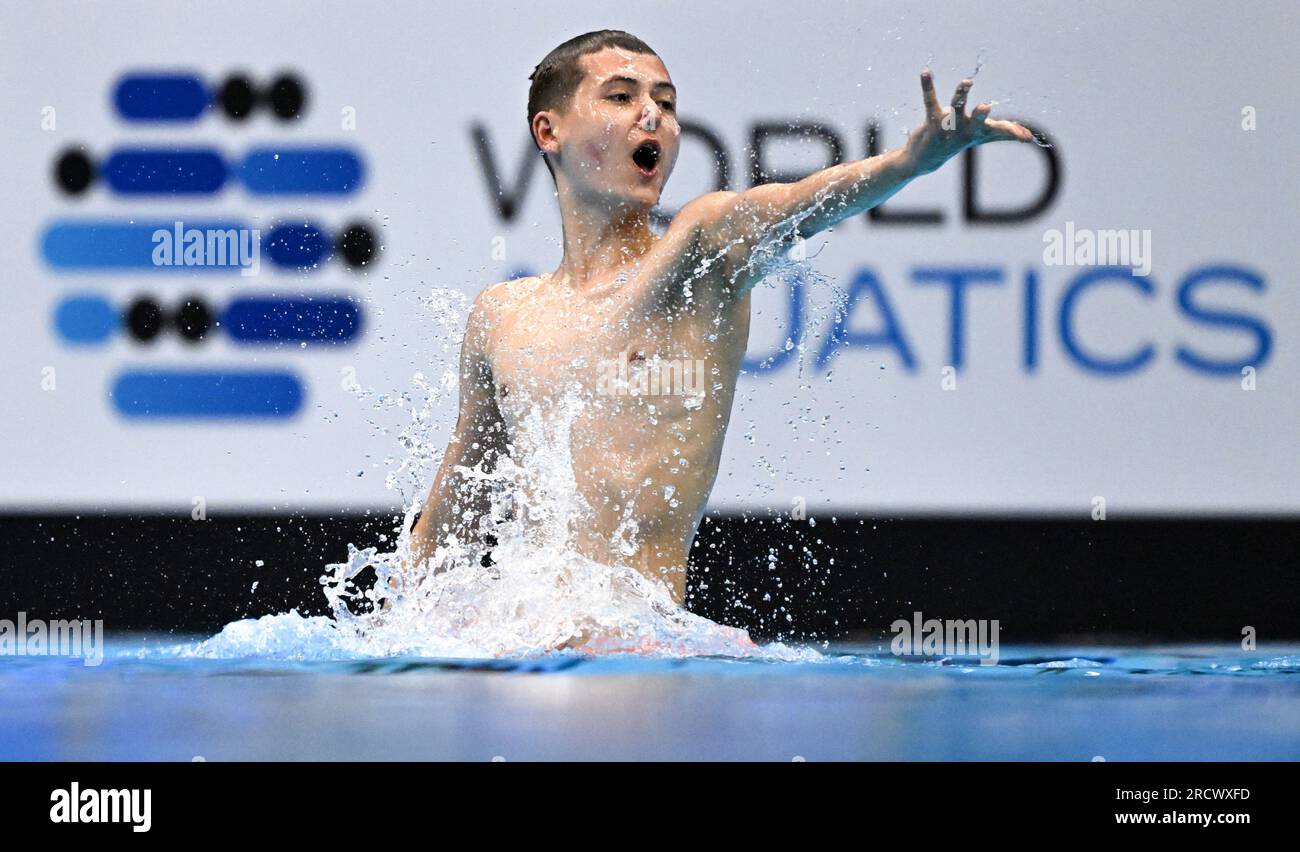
<point>858,703</point>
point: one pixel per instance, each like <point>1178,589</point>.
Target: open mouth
<point>646,157</point>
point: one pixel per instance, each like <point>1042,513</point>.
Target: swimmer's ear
<point>544,133</point>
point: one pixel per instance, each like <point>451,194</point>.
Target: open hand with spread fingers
<point>947,132</point>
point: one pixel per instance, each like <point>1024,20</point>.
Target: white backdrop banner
<point>1031,329</point>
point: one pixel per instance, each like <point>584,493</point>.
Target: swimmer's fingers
<point>933,112</point>
<point>995,129</point>
<point>992,130</point>
<point>959,100</point>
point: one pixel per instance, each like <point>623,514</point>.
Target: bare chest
<point>559,342</point>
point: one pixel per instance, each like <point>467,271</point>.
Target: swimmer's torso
<point>651,356</point>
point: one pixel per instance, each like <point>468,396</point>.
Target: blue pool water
<point>1052,703</point>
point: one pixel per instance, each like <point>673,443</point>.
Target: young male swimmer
<point>602,110</point>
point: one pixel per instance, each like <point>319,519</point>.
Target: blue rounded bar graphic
<point>210,394</point>
<point>204,171</point>
<point>306,320</point>
<point>147,171</point>
<point>301,171</point>
<point>86,320</point>
<point>161,97</point>
<point>181,246</point>
<point>115,245</point>
<point>302,246</point>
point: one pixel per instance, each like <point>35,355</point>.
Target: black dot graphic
<point>286,96</point>
<point>193,320</point>
<point>238,97</point>
<point>357,245</point>
<point>74,172</point>
<point>144,319</point>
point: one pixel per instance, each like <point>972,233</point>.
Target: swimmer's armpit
<point>730,225</point>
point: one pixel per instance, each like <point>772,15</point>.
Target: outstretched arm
<point>456,504</point>
<point>732,224</point>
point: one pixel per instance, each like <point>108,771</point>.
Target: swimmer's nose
<point>649,117</point>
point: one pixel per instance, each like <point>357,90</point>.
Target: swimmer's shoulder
<point>496,304</point>
<point>497,299</point>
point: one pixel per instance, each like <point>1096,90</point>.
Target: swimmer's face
<point>619,137</point>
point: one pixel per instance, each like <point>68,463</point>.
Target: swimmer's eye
<point>624,97</point>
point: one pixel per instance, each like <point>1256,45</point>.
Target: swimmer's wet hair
<point>556,77</point>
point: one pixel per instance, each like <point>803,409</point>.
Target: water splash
<point>537,595</point>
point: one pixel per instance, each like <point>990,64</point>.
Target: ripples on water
<point>306,644</point>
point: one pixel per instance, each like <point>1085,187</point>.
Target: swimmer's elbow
<point>728,220</point>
